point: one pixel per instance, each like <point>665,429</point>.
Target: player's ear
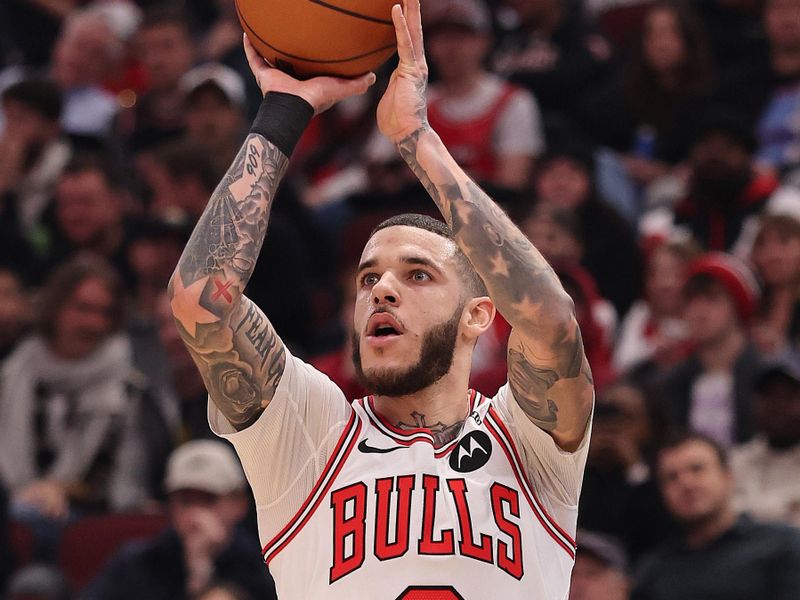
<point>478,315</point>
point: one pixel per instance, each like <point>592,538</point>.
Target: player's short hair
<point>473,284</point>
<point>681,438</point>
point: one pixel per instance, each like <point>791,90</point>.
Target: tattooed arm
<point>547,369</point>
<point>236,349</point>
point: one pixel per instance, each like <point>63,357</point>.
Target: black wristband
<point>282,119</point>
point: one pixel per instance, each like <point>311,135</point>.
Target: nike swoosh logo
<point>363,447</point>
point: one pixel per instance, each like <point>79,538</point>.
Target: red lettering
<point>353,497</point>
<point>511,564</point>
<point>466,545</point>
<point>404,487</point>
<point>428,545</point>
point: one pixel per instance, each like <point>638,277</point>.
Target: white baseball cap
<point>204,465</point>
<point>228,81</point>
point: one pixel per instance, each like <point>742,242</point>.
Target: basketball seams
<point>252,32</point>
<point>352,13</point>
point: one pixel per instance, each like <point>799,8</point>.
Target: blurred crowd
<point>649,149</point>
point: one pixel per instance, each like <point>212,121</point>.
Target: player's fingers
<point>352,87</point>
<point>413,15</point>
<point>254,59</point>
<point>405,47</point>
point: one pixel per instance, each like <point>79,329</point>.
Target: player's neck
<point>441,407</point>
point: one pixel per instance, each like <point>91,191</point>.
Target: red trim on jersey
<point>410,436</point>
<point>406,437</point>
<point>506,442</point>
<point>344,446</point>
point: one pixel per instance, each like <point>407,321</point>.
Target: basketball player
<point>425,490</point>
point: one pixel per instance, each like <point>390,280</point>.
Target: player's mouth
<point>383,329</point>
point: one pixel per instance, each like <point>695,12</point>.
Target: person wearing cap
<point>207,500</point>
<point>711,390</point>
<point>215,106</point>
<point>469,106</point>
<point>716,552</point>
<point>725,192</point>
<point>601,569</point>
<point>767,468</point>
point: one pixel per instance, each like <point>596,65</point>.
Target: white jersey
<point>492,514</point>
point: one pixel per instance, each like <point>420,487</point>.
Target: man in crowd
<point>718,552</point>
<point>711,390</point>
<point>601,569</point>
<point>767,468</point>
<point>207,500</point>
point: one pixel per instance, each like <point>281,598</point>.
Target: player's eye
<point>369,279</point>
<point>420,276</point>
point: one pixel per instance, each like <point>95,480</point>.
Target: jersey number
<point>430,592</point>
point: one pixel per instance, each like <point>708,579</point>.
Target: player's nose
<point>386,290</point>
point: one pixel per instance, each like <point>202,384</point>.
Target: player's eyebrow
<point>409,260</point>
<point>419,260</point>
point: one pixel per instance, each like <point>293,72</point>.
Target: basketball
<point>320,37</point>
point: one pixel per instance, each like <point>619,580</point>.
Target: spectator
<point>718,553</point>
<point>33,152</point>
<point>601,569</point>
<point>89,213</point>
<point>468,106</point>
<point>549,49</point>
<point>711,390</point>
<point>653,335</point>
<point>64,394</point>
<point>767,468</point>
<point>215,104</point>
<point>15,310</point>
<point>724,189</point>
<point>776,257</point>
<point>166,50</point>
<point>647,112</point>
<point>207,499</point>
<point>86,53</point>
<point>565,181</point>
<point>620,496</point>
<point>778,128</point>
<point>181,176</point>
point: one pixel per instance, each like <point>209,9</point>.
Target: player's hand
<point>403,108</point>
<point>320,92</point>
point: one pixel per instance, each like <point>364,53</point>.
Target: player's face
<point>408,310</point>
<point>694,484</point>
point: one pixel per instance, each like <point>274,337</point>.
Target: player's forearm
<point>223,249</point>
<point>228,237</point>
<point>521,283</point>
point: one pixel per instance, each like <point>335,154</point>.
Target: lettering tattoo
<point>442,434</point>
<point>521,283</point>
<point>239,354</point>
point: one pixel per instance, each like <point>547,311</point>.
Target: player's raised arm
<point>232,342</point>
<point>547,369</point>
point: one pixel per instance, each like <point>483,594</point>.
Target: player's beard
<point>435,360</point>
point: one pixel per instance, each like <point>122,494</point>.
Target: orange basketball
<point>320,37</point>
